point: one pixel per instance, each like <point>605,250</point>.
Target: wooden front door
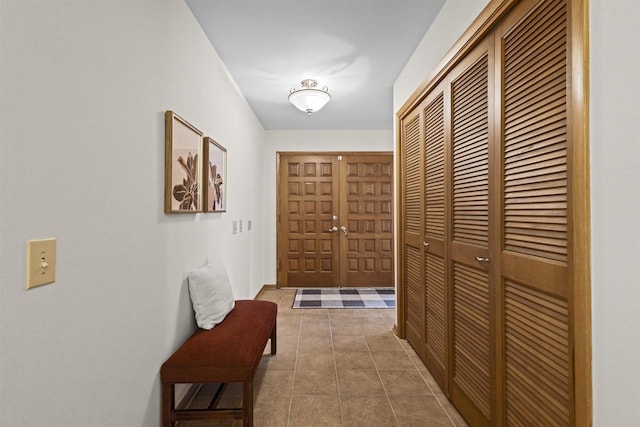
<point>335,219</point>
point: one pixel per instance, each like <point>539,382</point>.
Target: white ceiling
<point>356,48</point>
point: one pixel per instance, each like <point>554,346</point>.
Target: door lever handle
<point>483,259</point>
<point>344,230</point>
<point>333,229</point>
<point>425,244</point>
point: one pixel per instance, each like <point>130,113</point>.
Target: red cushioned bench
<point>230,352</point>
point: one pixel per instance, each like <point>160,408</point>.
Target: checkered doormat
<point>345,298</point>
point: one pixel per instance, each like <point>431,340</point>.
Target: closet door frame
<point>579,240</point>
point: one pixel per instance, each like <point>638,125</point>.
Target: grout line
<point>295,368</point>
<point>335,369</point>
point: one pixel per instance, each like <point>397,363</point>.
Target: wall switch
<point>234,227</point>
<point>241,226</point>
<point>41,262</point>
<point>249,225</point>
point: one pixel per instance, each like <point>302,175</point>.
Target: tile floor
<point>338,367</point>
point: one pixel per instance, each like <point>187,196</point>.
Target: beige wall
<point>83,88</point>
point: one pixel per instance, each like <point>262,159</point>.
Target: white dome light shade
<point>309,99</point>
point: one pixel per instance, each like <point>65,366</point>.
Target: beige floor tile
<point>272,412</point>
<point>354,360</point>
<point>278,361</point>
<point>314,345</point>
<point>386,341</point>
<point>416,411</point>
<point>316,361</point>
<point>343,313</point>
<point>307,334</point>
<point>375,329</point>
<point>367,411</point>
<point>452,412</point>
<point>315,382</point>
<point>312,411</point>
<point>359,382</point>
<point>404,383</point>
<point>392,360</point>
<point>350,329</point>
<point>349,343</point>
<point>271,382</point>
<point>285,345</point>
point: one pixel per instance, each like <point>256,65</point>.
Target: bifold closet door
<point>434,242</point>
<point>537,366</point>
<point>471,279</point>
<point>412,192</point>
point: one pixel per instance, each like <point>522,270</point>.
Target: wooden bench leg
<point>273,338</point>
<point>247,404</point>
<point>168,404</point>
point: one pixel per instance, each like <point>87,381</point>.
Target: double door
<point>335,220</point>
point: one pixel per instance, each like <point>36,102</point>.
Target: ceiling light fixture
<point>309,99</point>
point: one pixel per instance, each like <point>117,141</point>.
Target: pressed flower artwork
<point>183,178</point>
<point>215,176</point>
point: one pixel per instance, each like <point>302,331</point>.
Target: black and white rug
<point>345,298</point>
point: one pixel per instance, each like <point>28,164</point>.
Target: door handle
<point>425,244</point>
<point>483,259</point>
<point>333,229</point>
<point>344,230</point>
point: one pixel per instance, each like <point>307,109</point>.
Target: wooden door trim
<point>579,239</point>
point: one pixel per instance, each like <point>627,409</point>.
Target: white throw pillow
<point>211,294</point>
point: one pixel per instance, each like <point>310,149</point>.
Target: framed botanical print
<point>183,157</point>
<point>215,176</point>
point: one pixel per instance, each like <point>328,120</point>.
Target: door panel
<point>534,222</point>
<point>412,193</point>
<point>434,244</point>
<point>471,302</point>
<point>309,252</point>
<point>367,209</point>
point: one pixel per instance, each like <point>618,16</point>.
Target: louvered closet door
<point>434,244</point>
<point>471,291</point>
<point>532,49</point>
<point>411,198</point>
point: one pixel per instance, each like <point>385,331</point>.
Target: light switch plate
<point>249,225</point>
<point>240,226</point>
<point>41,262</point>
<point>234,227</point>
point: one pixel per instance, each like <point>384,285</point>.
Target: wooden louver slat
<point>535,140</point>
<point>412,190</point>
<point>470,155</point>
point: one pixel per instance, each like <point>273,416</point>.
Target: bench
<point>230,352</point>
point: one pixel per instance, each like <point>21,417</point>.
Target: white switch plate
<point>249,225</point>
<point>41,262</point>
<point>241,226</point>
<point>234,227</point>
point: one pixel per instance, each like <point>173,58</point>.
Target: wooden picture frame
<point>183,163</point>
<point>214,176</point>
